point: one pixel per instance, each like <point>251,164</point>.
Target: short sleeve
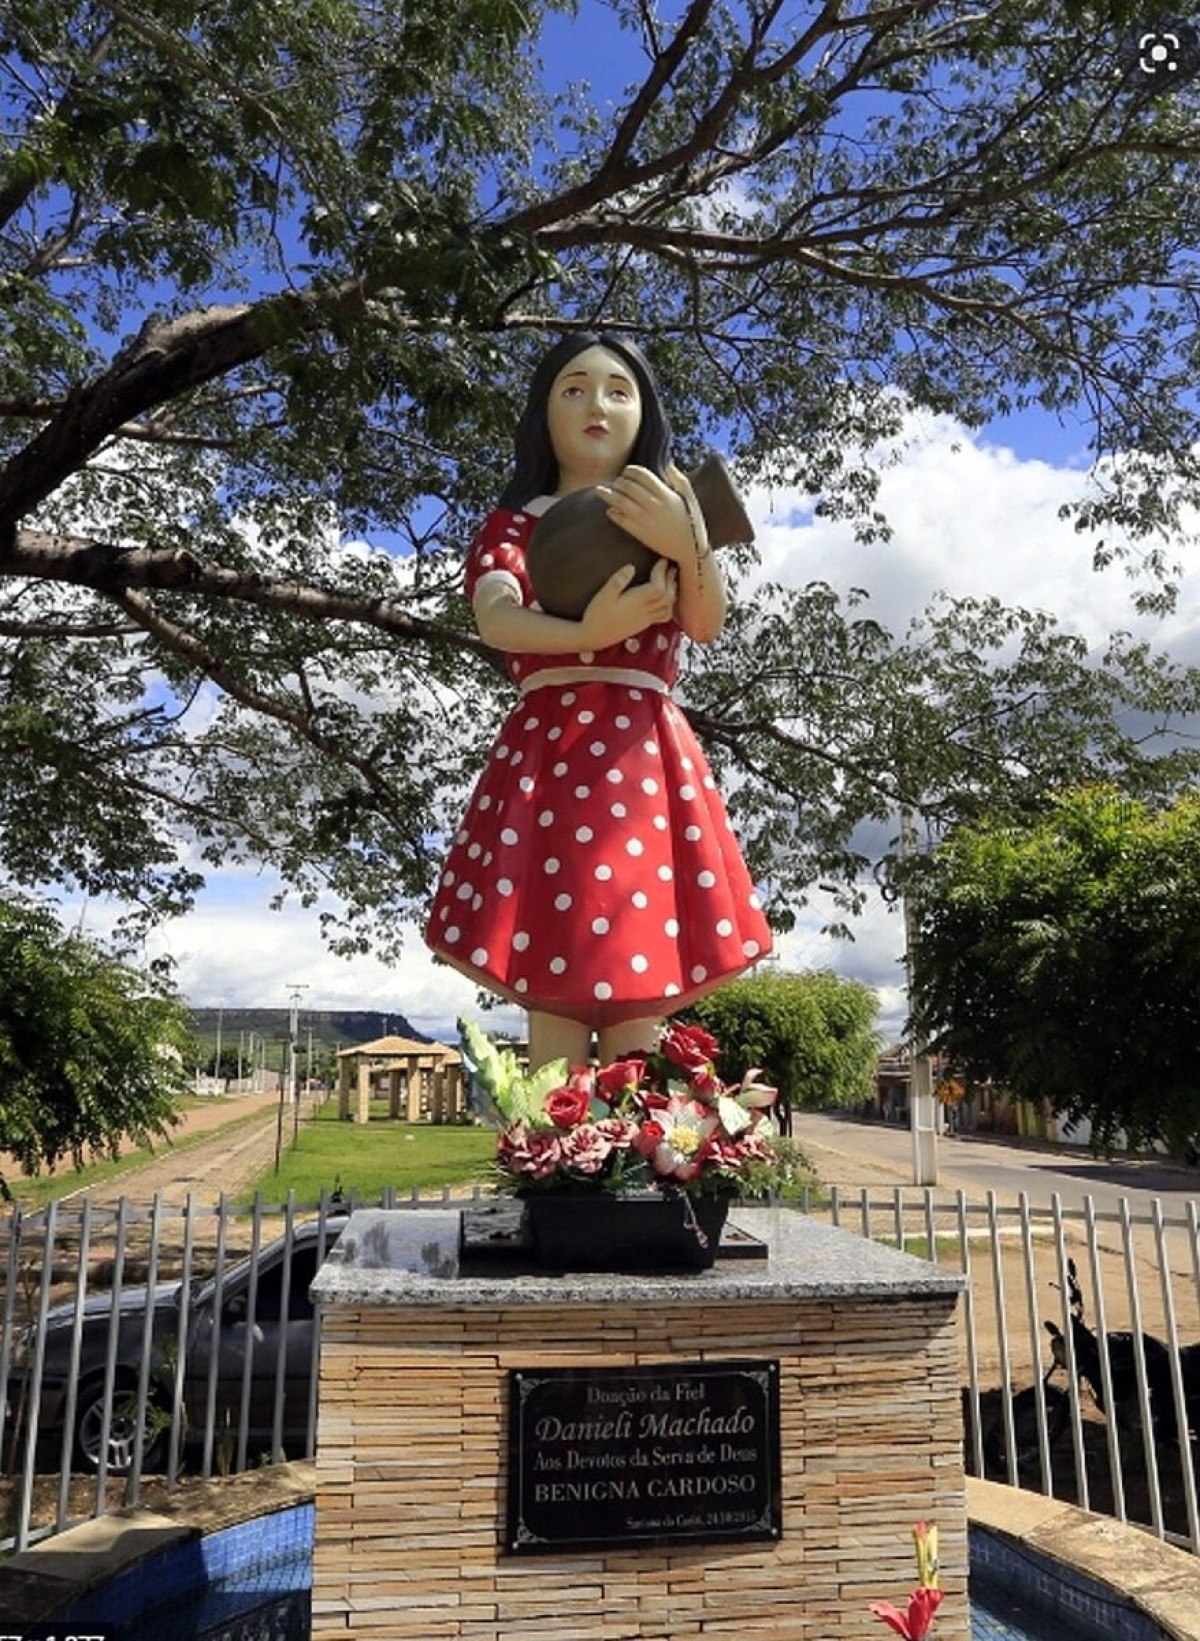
<point>498,553</point>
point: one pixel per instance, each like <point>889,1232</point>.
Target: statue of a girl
<point>595,879</point>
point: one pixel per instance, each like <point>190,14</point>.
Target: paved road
<point>854,1153</point>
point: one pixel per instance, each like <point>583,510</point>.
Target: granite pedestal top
<point>417,1257</point>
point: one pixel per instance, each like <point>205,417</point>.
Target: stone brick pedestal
<point>413,1439</point>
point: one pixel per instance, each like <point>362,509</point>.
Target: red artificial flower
<point>914,1624</point>
<point>691,1048</point>
<point>567,1107</point>
<point>621,1077</point>
<point>648,1138</point>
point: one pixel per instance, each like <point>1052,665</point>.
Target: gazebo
<point>423,1080</point>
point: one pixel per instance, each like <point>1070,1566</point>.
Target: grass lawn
<point>342,1156</point>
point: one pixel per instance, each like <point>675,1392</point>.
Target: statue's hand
<point>619,611</point>
<point>656,513</point>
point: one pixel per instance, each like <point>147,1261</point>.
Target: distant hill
<point>335,1028</point>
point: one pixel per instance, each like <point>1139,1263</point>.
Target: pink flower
<point>522,1152</point>
<point>648,1138</point>
<point>618,1131</point>
<point>914,1624</point>
<point>685,1145</point>
<point>585,1149</point>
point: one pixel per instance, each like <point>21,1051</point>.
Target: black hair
<point>535,472</point>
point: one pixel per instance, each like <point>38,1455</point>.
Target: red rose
<point>567,1107</point>
<point>622,1077</point>
<point>691,1048</point>
<point>648,1138</point>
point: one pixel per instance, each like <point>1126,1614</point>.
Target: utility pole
<point>922,1107</point>
<point>296,992</point>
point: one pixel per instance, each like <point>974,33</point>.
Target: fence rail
<point>177,1342</point>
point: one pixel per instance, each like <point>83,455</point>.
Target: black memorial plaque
<point>642,1455</point>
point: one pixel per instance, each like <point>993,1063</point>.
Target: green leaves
<point>1062,959</point>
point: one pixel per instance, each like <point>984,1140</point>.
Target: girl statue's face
<point>594,412</point>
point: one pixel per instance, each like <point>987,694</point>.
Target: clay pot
<point>575,547</point>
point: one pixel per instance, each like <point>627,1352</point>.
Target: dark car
<point>242,1323</point>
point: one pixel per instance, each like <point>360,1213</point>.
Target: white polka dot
<point>485,802</point>
<point>461,837</point>
<point>517,757</point>
<point>487,859</point>
<point>640,899</point>
<point>686,763</point>
<point>546,818</point>
<point>587,717</point>
<point>453,933</point>
<point>724,927</point>
<point>597,749</point>
<point>671,927</point>
<point>464,891</point>
<point>555,733</point>
<point>587,656</point>
<point>632,645</point>
<point>621,721</point>
<point>509,836</point>
<point>516,665</point>
<point>527,783</point>
<point>521,985</point>
<point>755,902</point>
<point>559,770</point>
<point>584,834</point>
<point>447,877</point>
<point>520,940</point>
<point>693,834</point>
<point>670,989</point>
<point>602,991</point>
<point>568,699</point>
<point>600,925</point>
<point>639,963</point>
<point>661,641</point>
<point>479,955</point>
<point>614,775</point>
<point>750,948</point>
<point>562,903</point>
<point>443,914</point>
<point>504,886</point>
<point>487,560</point>
<point>659,823</point>
<point>602,873</point>
<point>650,748</point>
<point>635,846</point>
<point>531,723</point>
<point>476,902</point>
<point>635,695</point>
<point>551,866</point>
<point>709,784</point>
<point>706,880</point>
<point>582,792</point>
<point>665,873</point>
<point>649,787</point>
<point>687,793</point>
<point>618,810</point>
<point>699,973</point>
<point>501,752</point>
<point>558,965</point>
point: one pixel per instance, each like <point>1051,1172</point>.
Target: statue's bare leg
<point>551,1037</point>
<point>629,1037</point>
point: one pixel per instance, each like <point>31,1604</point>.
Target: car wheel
<point>122,1430</point>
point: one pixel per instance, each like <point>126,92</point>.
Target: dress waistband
<point>548,677</point>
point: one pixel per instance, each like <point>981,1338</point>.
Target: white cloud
<point>969,516</point>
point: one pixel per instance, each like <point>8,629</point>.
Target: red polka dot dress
<point>595,874</point>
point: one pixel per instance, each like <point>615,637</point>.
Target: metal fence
<point>144,1346</point>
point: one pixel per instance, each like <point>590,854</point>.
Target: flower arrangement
<point>660,1121</point>
<point>915,1622</point>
